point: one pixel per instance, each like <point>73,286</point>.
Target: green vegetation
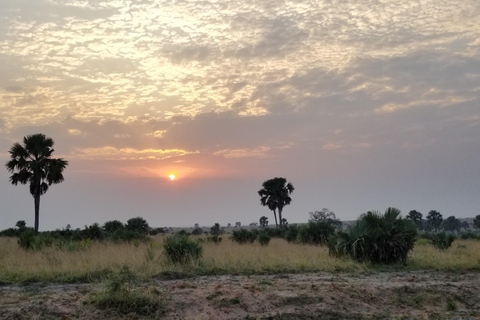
<point>441,240</point>
<point>264,238</point>
<point>317,232</point>
<point>378,238</point>
<point>476,222</point>
<point>243,236</point>
<point>180,249</point>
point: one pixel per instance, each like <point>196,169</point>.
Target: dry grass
<point>146,259</point>
<point>462,255</point>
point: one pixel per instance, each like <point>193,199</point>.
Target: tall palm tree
<point>34,166</point>
<point>275,194</point>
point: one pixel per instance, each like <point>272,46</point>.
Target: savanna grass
<point>101,260</point>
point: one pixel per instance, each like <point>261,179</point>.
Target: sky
<point>360,104</point>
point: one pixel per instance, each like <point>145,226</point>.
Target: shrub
<point>127,235</point>
<point>470,235</point>
<point>442,240</point>
<point>379,238</point>
<point>124,294</point>
<point>93,232</point>
<point>179,249</point>
<point>264,238</point>
<point>276,233</point>
<point>316,232</point>
<point>196,231</point>
<point>29,241</point>
<point>243,236</point>
<point>112,226</point>
<point>138,225</point>
<point>291,233</point>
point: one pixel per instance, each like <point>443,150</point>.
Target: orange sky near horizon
<point>361,104</point>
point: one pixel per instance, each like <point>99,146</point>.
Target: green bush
<point>138,225</point>
<point>442,240</point>
<point>291,234</point>
<point>93,232</point>
<point>264,238</point>
<point>378,238</point>
<point>316,232</point>
<point>470,235</point>
<point>29,241</point>
<point>127,235</point>
<point>243,236</point>
<point>112,226</point>
<point>179,249</point>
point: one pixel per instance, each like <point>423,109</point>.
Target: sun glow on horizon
<point>172,177</point>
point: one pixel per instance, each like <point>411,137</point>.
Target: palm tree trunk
<point>275,215</point>
<point>280,216</point>
<point>37,211</point>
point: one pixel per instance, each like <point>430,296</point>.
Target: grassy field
<point>99,260</point>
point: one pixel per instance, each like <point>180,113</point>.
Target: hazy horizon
<point>361,105</point>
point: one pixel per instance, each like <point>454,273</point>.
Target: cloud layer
<point>308,89</point>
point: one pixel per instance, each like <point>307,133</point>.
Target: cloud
<point>260,152</point>
<point>111,153</point>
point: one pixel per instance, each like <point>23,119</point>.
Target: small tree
<point>465,225</point>
<point>21,224</point>
<point>416,217</point>
<point>138,224</point>
<point>322,215</point>
<point>263,221</point>
<point>112,226</point>
<point>476,222</point>
<point>435,219</point>
<point>215,230</point>
<point>452,224</point>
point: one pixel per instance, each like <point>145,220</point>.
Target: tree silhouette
<point>137,224</point>
<point>435,219</point>
<point>112,226</point>
<point>34,165</point>
<point>476,222</point>
<point>263,221</point>
<point>452,224</point>
<point>21,224</point>
<point>275,194</point>
<point>416,217</point>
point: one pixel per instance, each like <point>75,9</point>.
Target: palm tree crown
<point>32,163</point>
<point>275,194</point>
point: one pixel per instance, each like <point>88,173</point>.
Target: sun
<point>172,177</point>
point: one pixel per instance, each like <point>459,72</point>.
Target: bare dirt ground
<point>385,295</point>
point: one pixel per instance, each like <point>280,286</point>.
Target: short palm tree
<point>378,238</point>
<point>275,194</point>
<point>32,163</point>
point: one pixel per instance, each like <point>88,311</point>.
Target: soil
<point>385,295</point>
